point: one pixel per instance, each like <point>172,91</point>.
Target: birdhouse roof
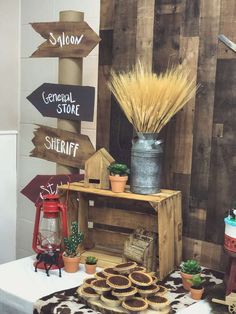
<point>103,153</point>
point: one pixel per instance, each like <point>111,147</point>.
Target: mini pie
<point>157,302</point>
<point>162,290</point>
<point>139,268</point>
<point>135,304</point>
<point>110,300</point>
<point>100,286</point>
<point>123,294</point>
<point>109,271</point>
<point>140,279</point>
<point>118,282</point>
<point>100,275</point>
<point>145,291</point>
<point>154,279</point>
<point>125,268</point>
<point>88,281</point>
<point>88,293</point>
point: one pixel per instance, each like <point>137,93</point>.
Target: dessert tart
<point>125,268</point>
<point>145,291</point>
<point>88,281</point>
<point>100,275</point>
<point>118,282</point>
<point>162,290</point>
<point>139,268</point>
<point>157,302</point>
<point>88,293</point>
<point>110,300</point>
<point>109,271</point>
<point>140,279</point>
<point>135,304</point>
<point>100,286</point>
<point>124,294</point>
<point>154,279</point>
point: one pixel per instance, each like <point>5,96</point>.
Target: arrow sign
<point>69,102</point>
<point>65,39</point>
<point>63,147</point>
<point>41,185</point>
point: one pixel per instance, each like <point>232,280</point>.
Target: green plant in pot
<point>196,288</point>
<point>188,269</point>
<point>118,176</point>
<point>90,264</point>
<point>71,255</point>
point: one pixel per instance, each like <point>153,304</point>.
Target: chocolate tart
<point>110,300</point>
<point>100,286</point>
<point>124,294</point>
<point>125,268</point>
<point>109,271</point>
<point>100,275</point>
<point>154,279</point>
<point>135,304</point>
<point>139,268</point>
<point>88,281</point>
<point>148,290</point>
<point>157,302</point>
<point>88,293</point>
<point>140,279</point>
<point>118,282</point>
<point>162,290</point>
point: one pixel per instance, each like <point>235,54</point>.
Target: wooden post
<point>70,72</point>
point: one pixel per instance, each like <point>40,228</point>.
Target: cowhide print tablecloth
<point>67,301</point>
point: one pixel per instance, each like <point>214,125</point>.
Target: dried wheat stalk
<point>149,100</point>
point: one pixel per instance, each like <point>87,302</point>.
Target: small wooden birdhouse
<point>96,173</point>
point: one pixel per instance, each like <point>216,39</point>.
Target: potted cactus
<point>196,289</point>
<point>71,255</point>
<point>188,269</point>
<point>90,264</point>
<point>118,176</point>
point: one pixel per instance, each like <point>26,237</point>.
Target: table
<point>21,287</point>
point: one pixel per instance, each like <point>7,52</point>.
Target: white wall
<point>34,72</point>
<point>9,116</point>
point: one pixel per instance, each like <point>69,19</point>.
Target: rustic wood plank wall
<point>200,144</point>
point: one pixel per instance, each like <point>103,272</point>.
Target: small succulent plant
<point>196,281</point>
<point>118,169</point>
<point>71,243</point>
<point>91,260</point>
<point>191,267</point>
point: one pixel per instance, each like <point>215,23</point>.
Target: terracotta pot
<point>185,278</point>
<point>71,264</point>
<point>118,183</point>
<point>90,269</point>
<point>196,294</point>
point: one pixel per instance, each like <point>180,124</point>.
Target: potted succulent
<point>118,176</point>
<point>90,264</point>
<point>196,288</point>
<point>188,269</point>
<point>71,255</point>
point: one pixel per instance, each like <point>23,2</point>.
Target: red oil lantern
<point>50,226</point>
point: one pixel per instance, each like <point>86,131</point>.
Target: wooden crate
<point>115,215</point>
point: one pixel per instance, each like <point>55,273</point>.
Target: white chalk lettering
<point>61,146</point>
<point>69,109</point>
<point>66,98</point>
<point>65,40</point>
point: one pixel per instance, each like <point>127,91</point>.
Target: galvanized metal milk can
<point>146,156</point>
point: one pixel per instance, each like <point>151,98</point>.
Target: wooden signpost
<point>63,147</point>
<point>65,39</point>
<point>64,101</point>
<point>41,185</point>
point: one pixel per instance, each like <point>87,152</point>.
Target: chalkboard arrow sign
<point>62,147</point>
<point>41,185</point>
<point>65,39</point>
<point>69,102</point>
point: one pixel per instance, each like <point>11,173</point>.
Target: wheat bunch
<point>149,100</point>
